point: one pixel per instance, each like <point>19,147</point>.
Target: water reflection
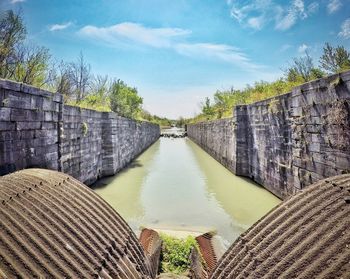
<point>177,184</point>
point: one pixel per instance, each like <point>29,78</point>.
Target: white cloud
<point>285,47</point>
<point>313,8</point>
<point>155,37</point>
<point>256,22</point>
<point>169,38</point>
<point>303,48</point>
<point>58,27</point>
<point>259,8</point>
<point>286,18</point>
<point>345,29</point>
<point>257,13</point>
<point>17,1</point>
<point>333,6</point>
<point>285,21</point>
<point>221,52</point>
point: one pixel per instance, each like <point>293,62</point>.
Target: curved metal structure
<point>307,236</point>
<point>52,226</point>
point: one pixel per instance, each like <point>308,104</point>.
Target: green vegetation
<point>176,253</point>
<point>124,100</point>
<point>85,128</point>
<point>302,69</point>
<point>161,121</point>
<point>19,61</point>
<point>335,59</point>
<point>34,65</point>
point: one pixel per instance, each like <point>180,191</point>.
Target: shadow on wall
<point>38,130</point>
<point>287,142</point>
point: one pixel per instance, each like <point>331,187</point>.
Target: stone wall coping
<point>58,98</point>
<point>25,88</point>
<point>296,91</point>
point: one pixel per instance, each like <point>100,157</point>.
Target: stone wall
<point>37,130</point>
<point>287,142</point>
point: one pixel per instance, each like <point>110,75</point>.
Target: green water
<point>175,184</point>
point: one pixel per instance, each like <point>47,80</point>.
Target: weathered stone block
<point>28,125</point>
<point>7,126</point>
<point>5,114</point>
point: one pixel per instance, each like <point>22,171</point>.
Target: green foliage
<point>124,100</point>
<point>207,109</point>
<point>303,70</point>
<point>180,122</point>
<point>335,59</point>
<point>176,253</point>
<point>74,80</point>
<point>161,121</point>
<point>32,68</point>
<point>12,34</point>
<point>97,97</point>
<point>84,127</point>
<point>224,101</point>
<point>18,61</point>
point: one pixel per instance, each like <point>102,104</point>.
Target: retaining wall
<point>287,142</point>
<point>37,130</point>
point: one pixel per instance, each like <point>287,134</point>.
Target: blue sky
<point>177,52</point>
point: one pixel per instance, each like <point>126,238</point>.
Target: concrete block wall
<point>287,142</point>
<point>81,143</point>
<point>320,113</point>
<point>28,127</point>
<point>123,140</point>
<point>270,145</point>
<point>37,130</point>
<point>209,134</point>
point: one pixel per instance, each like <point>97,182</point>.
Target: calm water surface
<point>175,184</point>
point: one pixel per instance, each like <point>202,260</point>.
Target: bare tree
<point>80,77</point>
<point>61,80</point>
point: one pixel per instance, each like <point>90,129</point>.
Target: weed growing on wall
<point>85,128</point>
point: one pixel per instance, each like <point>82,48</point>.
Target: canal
<point>174,184</point>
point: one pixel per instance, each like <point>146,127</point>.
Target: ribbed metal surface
<point>307,236</point>
<point>52,226</point>
<point>206,247</point>
<point>152,244</point>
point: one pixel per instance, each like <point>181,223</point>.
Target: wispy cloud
<point>252,13</point>
<point>17,1</point>
<point>175,39</point>
<point>286,18</point>
<point>221,52</point>
<point>58,27</point>
<point>303,48</point>
<point>258,13</point>
<point>285,47</point>
<point>256,22</point>
<point>313,8</point>
<point>155,37</point>
<point>345,29</point>
<point>333,6</point>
